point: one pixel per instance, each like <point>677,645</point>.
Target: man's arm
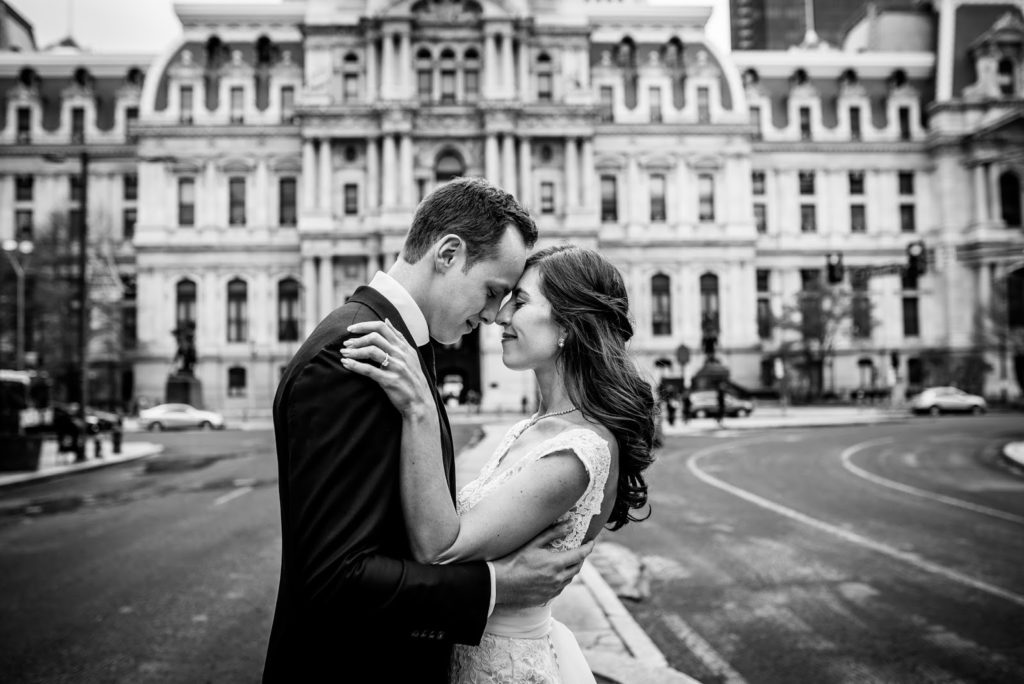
<point>343,479</point>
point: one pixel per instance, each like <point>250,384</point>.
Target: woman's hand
<point>382,354</point>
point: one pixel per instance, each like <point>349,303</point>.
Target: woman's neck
<point>553,394</point>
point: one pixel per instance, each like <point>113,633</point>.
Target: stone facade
<point>282,150</point>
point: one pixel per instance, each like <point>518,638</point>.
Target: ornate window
<point>1009,198</point>
<point>449,165</point>
<point>544,78</point>
<point>236,201</point>
<point>609,199</point>
<point>287,214</point>
<point>238,310</point>
<point>186,201</point>
<point>236,381</point>
<point>658,198</point>
<point>661,305</point>
<point>709,305</point>
<point>706,197</point>
<point>288,310</point>
<point>185,304</point>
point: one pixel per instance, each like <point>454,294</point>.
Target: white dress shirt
<point>410,311</point>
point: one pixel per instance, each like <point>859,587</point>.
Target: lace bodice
<point>589,447</point>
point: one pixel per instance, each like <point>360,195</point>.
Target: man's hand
<point>534,574</point>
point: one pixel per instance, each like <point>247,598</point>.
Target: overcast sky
<point>148,26</point>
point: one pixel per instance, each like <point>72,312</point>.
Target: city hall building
<point>280,152</point>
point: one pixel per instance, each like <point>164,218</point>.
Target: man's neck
<point>415,283</point>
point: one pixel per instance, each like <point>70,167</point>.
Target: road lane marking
<point>704,651</point>
<point>234,494</point>
<point>847,459</point>
<point>844,534</point>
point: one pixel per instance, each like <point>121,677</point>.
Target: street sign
<point>683,354</point>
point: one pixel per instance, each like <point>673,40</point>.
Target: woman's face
<point>529,338</point>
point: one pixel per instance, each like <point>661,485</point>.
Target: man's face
<point>465,299</point>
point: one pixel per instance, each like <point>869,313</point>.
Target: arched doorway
<point>449,165</point>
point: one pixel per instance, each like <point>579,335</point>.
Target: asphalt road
<point>892,553</point>
<point>163,570</point>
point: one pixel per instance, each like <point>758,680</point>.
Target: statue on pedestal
<point>185,356</point>
<point>183,387</point>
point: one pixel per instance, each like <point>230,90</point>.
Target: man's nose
<point>489,313</point>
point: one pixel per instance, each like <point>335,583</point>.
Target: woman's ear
<point>448,251</point>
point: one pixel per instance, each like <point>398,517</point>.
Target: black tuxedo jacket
<point>352,606</point>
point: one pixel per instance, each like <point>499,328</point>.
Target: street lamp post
<point>24,247</point>
<point>83,282</point>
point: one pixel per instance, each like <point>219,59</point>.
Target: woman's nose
<point>504,314</point>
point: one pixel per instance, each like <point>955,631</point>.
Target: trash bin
<point>20,452</point>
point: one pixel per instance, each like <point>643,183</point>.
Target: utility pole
<point>83,286</point>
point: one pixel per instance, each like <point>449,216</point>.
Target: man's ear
<point>448,251</point>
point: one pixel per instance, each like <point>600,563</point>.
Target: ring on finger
<point>386,361</point>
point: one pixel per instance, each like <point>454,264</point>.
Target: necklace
<point>533,421</point>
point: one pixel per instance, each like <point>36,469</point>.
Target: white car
<point>171,416</point>
<point>936,400</point>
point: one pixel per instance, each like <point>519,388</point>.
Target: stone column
<point>372,174</point>
<point>326,285</point>
<point>588,179</point>
<point>525,173</point>
<point>308,175</point>
<point>507,67</point>
<point>490,72</point>
<point>387,67</point>
<point>508,157</point>
<point>404,64</point>
<point>309,298</point>
<point>405,169</point>
<point>261,196</point>
<point>572,167</point>
<point>371,70</point>
<point>632,191</point>
<point>325,204</point>
<point>980,194</point>
<point>491,161</point>
<point>994,211</point>
<point>524,71</point>
<point>390,179</point>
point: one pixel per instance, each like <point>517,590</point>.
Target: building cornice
<point>853,146</point>
<point>70,152</point>
<point>48,65</point>
<point>832,63</point>
<point>176,130</point>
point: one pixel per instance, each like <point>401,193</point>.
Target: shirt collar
<point>407,307</point>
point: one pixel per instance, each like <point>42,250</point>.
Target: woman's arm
<point>521,508</point>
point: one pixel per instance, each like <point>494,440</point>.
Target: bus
<point>25,402</point>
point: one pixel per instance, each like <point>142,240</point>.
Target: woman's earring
<point>561,342</point>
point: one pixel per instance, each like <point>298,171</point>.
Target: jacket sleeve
<point>344,448</point>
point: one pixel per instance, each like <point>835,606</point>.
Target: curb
<point>1013,454</point>
<point>647,664</point>
<point>828,422</point>
<point>70,469</point>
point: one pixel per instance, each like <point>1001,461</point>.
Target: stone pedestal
<point>183,389</point>
<point>709,376</point>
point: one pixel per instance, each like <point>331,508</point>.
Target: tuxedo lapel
<point>386,310</point>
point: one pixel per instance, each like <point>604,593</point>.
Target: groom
<point>352,606</point>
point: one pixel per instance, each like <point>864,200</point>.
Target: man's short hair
<point>476,211</point>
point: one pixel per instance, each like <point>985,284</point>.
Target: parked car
<point>936,400</point>
<point>704,404</point>
<point>171,416</point>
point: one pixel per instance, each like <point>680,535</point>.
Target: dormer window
<point>77,125</point>
<point>1006,77</point>
<point>24,125</point>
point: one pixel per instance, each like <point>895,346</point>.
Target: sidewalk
<point>52,464</point>
<point>1013,453</point>
<point>775,416</point>
<point>617,649</point>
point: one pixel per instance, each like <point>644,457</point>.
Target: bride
<point>578,461</point>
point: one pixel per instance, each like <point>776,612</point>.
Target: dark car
<point>704,404</point>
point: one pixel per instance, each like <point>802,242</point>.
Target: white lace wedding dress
<point>527,645</point>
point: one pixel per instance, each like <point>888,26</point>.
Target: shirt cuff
<point>490,569</point>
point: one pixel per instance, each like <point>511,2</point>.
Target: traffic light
<point>917,258</point>
<point>834,267</point>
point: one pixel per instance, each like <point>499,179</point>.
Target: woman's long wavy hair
<point>589,301</point>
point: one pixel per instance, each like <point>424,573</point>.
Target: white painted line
<point>847,457</point>
<point>711,658</point>
<point>846,535</point>
<point>234,494</point>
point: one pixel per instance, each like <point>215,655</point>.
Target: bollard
<point>115,441</point>
<point>97,447</point>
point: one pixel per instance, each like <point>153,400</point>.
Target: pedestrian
<point>670,409</point>
<point>720,400</point>
<point>687,407</point>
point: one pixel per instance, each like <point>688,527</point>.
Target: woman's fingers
<point>367,369</point>
<point>374,354</point>
<point>373,338</point>
<point>382,328</point>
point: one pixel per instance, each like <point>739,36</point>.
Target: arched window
<point>185,304</point>
<point>471,75</point>
<point>288,310</point>
<point>449,165</point>
<point>1009,198</point>
<point>424,75</point>
<point>447,76</point>
<point>238,310</point>
<point>661,305</point>
<point>545,79</point>
<point>709,312</point>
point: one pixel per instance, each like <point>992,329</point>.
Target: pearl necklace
<point>533,421</point>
